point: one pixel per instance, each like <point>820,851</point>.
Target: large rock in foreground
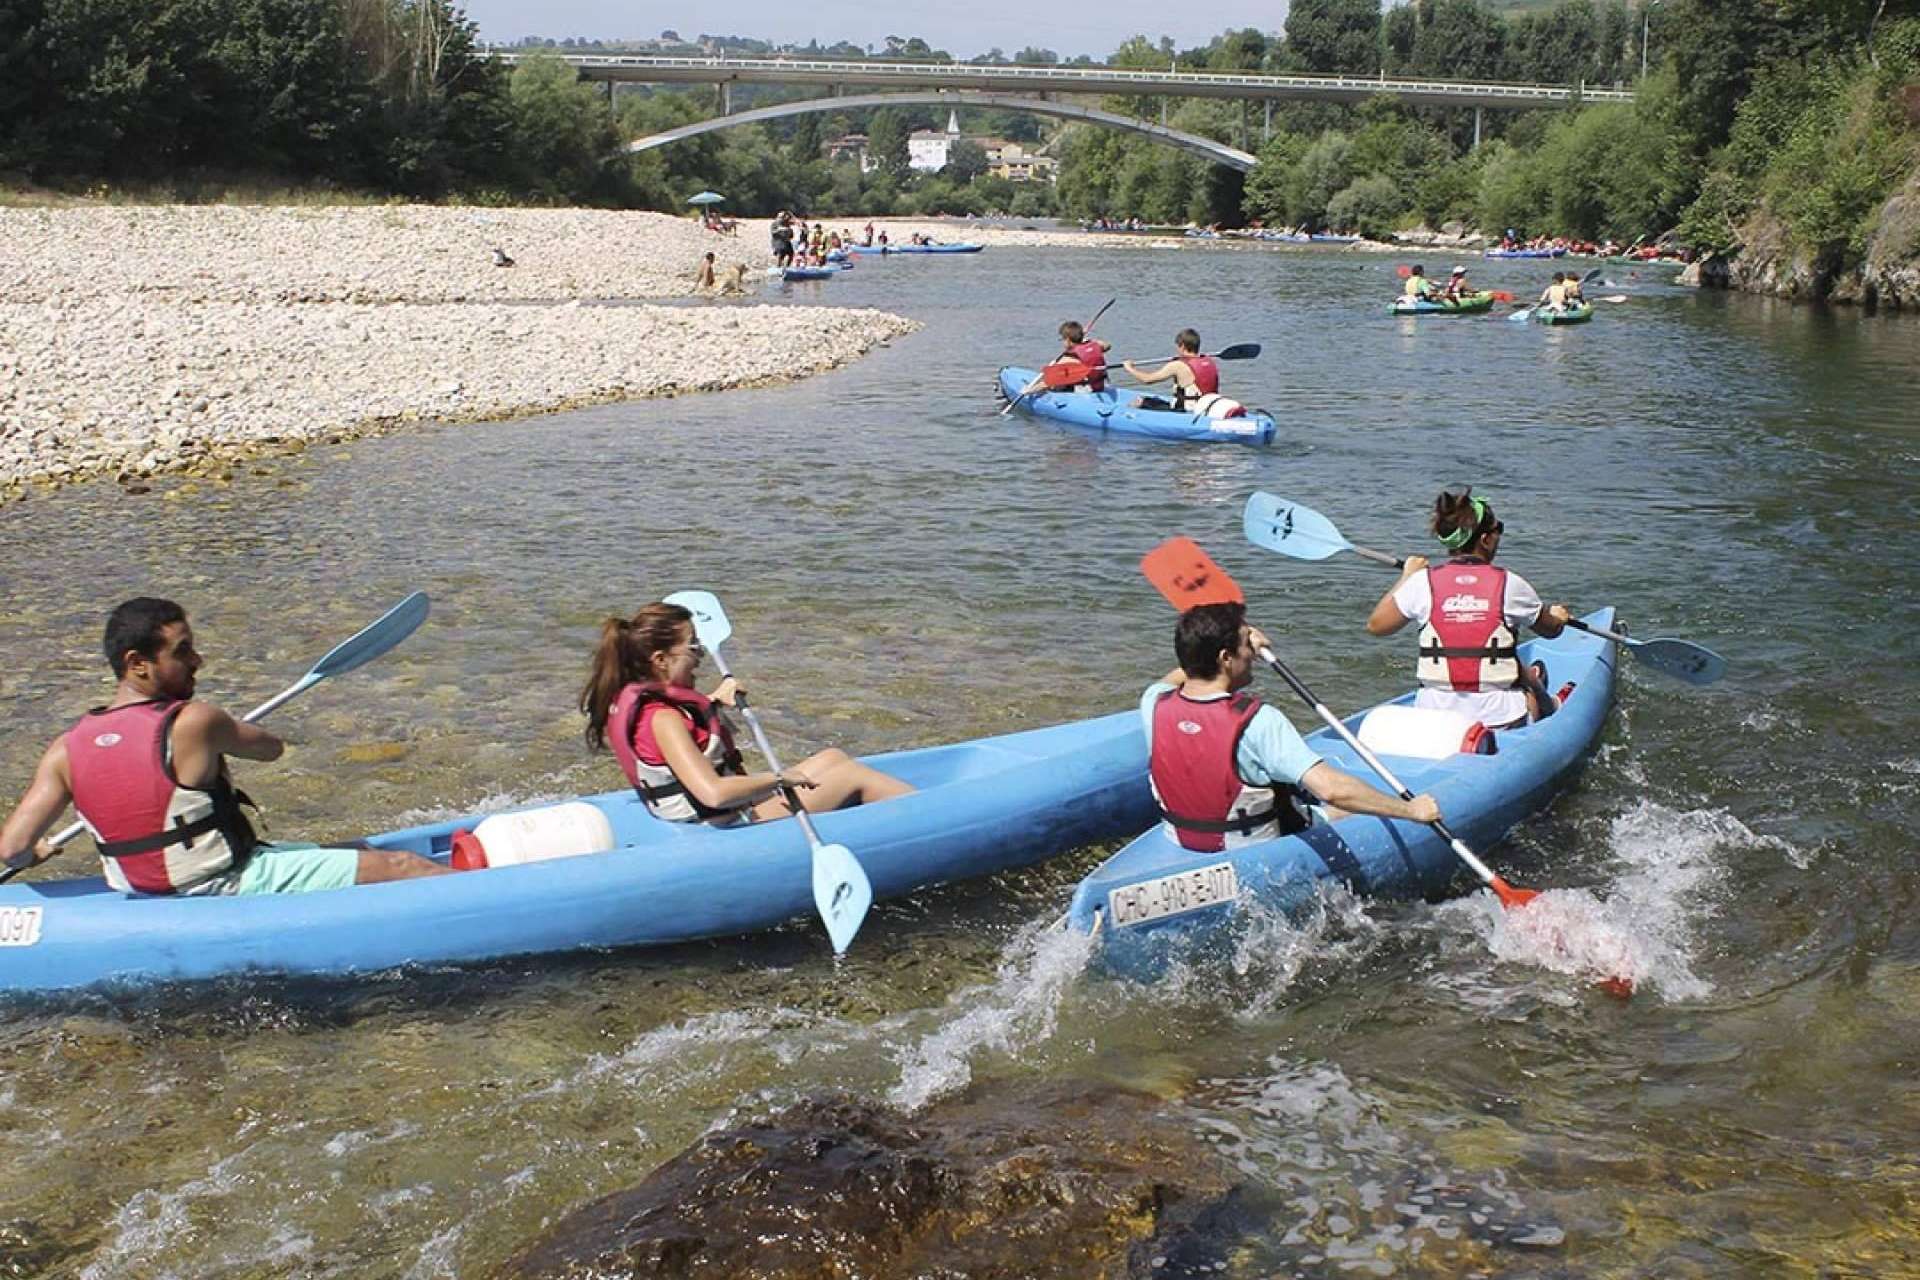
<point>1056,1181</point>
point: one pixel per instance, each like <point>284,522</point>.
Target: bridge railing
<point>1061,77</point>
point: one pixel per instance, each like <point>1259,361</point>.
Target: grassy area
<point>186,189</point>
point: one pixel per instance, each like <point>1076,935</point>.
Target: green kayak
<point>1578,314</point>
<point>1404,306</point>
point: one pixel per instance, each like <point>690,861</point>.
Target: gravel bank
<point>142,340</point>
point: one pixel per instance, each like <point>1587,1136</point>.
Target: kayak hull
<point>1474,305</point>
<point>810,273</point>
<point>983,806</point>
<point>1525,253</point>
<point>1572,315</point>
<point>1154,902</point>
<point>1111,410</point>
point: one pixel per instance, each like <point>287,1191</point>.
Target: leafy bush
<point>1370,206</point>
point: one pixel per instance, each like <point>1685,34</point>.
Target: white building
<point>927,148</point>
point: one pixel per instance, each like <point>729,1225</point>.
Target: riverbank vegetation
<point>1801,114</point>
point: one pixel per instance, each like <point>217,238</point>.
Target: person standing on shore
<point>782,239</point>
<point>703,277</point>
<point>148,775</point>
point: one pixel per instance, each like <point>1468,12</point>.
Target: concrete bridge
<point>1206,148</point>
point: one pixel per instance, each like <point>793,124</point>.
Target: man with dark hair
<point>1229,770</point>
<point>148,775</point>
<point>1195,376</point>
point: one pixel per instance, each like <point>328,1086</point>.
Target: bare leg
<point>841,780</point>
<point>377,865</point>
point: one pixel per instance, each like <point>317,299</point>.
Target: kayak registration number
<point>1172,895</point>
<point>19,926</point>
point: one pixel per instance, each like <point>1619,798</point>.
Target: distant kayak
<point>917,248</point>
<point>1320,238</point>
<point>983,806</point>
<point>809,273</point>
<point>1572,315</point>
<point>1468,305</point>
<point>1111,410</point>
<point>1155,900</point>
<point>1524,253</point>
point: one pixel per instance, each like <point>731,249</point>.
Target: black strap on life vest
<point>1488,653</point>
<point>1288,808</point>
<point>732,764</point>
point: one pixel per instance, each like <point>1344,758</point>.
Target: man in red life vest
<point>148,775</point>
<point>1092,352</point>
<point>1193,374</point>
<point>1227,769</point>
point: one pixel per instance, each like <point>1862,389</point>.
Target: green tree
<point>887,141</point>
<point>561,133</point>
<point>1334,37</point>
<point>966,160</point>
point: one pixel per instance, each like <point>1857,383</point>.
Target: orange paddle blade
<point>1501,295</point>
<point>1403,271</point>
<point>1068,373</point>
<point>1187,576</point>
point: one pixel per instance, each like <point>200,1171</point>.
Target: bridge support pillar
<point>726,97</point>
<point>1163,113</point>
<point>1476,128</point>
<point>1266,130</point>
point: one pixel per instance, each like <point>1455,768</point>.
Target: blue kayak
<point>984,805</point>
<point>809,273</point>
<point>917,248</point>
<point>1524,253</point>
<point>1110,410</point>
<point>1154,900</point>
<point>1319,237</point>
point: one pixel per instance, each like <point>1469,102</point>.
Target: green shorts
<point>298,868</point>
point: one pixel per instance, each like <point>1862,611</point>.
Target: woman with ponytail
<point>1470,615</point>
<point>675,746</point>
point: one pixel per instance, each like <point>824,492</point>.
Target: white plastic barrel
<point>534,835</point>
<point>1398,730</point>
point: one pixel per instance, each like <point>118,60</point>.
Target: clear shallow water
<point>903,566</point>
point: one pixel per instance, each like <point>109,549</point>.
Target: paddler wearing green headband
<point>1470,615</point>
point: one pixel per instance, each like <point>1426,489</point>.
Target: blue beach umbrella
<point>706,197</point>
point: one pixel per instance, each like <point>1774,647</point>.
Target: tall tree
<point>1334,37</point>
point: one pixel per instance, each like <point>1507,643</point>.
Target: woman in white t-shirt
<point>1468,661</point>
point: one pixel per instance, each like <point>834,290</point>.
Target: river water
<point>903,567</point>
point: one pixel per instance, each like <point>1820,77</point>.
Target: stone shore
<point>139,340</point>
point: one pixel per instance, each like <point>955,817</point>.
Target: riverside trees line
<point>1776,108</point>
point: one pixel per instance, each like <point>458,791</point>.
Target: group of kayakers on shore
<point>148,771</point>
<point>796,244</point>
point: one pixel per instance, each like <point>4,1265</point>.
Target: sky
<point>963,29</point>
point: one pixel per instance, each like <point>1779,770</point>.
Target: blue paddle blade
<point>389,630</point>
<point>1291,529</point>
<point>841,893</point>
<point>709,619</point>
<point>1524,313</point>
<point>1682,659</point>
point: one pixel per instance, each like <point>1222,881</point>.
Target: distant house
<point>1012,161</point>
<point>927,148</point>
<point>849,146</point>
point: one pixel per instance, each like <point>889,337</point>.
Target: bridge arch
<point>1207,148</point>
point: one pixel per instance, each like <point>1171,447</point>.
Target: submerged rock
<point>1075,1181</point>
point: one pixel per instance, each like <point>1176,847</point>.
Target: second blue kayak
<point>1112,410</point>
<point>1154,901</point>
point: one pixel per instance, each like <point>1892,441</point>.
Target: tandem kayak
<point>809,273</point>
<point>1469,305</point>
<point>1524,253</point>
<point>1578,314</point>
<point>983,806</point>
<point>917,248</point>
<point>1154,900</point>
<point>1111,410</point>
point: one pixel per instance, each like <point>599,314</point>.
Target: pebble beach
<point>139,340</point>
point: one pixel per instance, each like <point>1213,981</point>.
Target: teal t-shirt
<point>1271,750</point>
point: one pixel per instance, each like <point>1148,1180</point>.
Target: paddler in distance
<point>1418,286</point>
<point>1456,286</point>
<point>676,749</point>
<point>1470,614</point>
<point>1077,347</point>
<point>1554,296</point>
<point>148,775</point>
<point>1226,768</point>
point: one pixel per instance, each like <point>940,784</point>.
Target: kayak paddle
<point>1069,373</point>
<point>1303,533</point>
<point>1187,576</point>
<point>395,625</point>
<point>1499,295</point>
<point>841,891</point>
<point>1037,382</point>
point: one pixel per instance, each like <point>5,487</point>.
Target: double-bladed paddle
<point>841,891</point>
<point>1187,576</point>
<point>395,625</point>
<point>1499,295</point>
<point>1036,384</point>
<point>1068,373</point>
<point>1303,533</point>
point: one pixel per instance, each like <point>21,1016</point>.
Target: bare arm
<point>203,733</point>
<point>1169,370</point>
<point>1345,791</point>
<point>702,781</point>
<point>1386,617</point>
<point>46,798</point>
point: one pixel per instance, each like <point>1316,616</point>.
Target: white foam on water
<point>152,1220</point>
<point>1018,1010</point>
<point>690,1048</point>
<point>435,1260</point>
<point>1273,949</point>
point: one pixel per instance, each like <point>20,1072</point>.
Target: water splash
<point>1018,1009</point>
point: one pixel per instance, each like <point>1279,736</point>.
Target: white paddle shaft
<point>766,749</point>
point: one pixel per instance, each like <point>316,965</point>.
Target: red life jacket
<point>1094,356</point>
<point>1206,374</point>
<point>630,732</point>
<point>1196,779</point>
<point>1466,644</point>
<point>155,835</point>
